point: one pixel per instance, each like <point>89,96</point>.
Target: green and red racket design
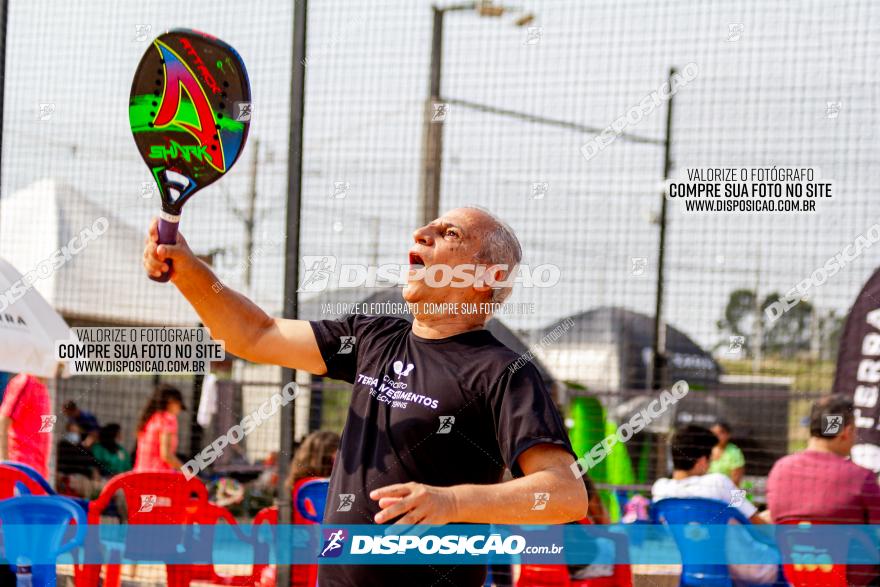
<point>190,110</point>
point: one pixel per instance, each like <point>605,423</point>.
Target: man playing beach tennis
<point>439,408</point>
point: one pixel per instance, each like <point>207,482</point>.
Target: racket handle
<point>167,236</point>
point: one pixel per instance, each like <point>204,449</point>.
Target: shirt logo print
<point>400,371</point>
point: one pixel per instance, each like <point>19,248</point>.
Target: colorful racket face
<point>190,110</point>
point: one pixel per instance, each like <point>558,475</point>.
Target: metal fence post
<point>291,256</point>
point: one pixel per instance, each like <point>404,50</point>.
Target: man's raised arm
<point>246,330</point>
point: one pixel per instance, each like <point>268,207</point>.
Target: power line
<point>536,119</point>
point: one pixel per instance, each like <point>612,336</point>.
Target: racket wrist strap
<point>175,218</point>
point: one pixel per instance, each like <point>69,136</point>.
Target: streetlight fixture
<point>435,110</point>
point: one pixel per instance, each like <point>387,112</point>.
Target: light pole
<point>659,364</point>
<point>435,113</point>
<point>432,149</point>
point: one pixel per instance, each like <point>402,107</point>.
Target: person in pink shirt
<point>26,423</point>
<point>157,431</point>
<point>821,483</point>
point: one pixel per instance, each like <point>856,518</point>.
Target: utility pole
<point>434,119</point>
<point>658,356</point>
<point>432,150</point>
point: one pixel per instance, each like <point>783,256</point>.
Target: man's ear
<point>488,277</point>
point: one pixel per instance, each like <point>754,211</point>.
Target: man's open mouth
<point>415,261</point>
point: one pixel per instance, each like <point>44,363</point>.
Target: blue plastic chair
<point>683,515</point>
<point>37,527</point>
<point>35,475</point>
<point>316,493</point>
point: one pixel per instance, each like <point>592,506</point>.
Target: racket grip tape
<point>167,236</point>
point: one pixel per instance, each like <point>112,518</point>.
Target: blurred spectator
<point>26,423</point>
<point>111,456</point>
<point>821,483</point>
<point>157,431</point>
<point>691,450</point>
<point>314,457</point>
<point>727,458</point>
<point>86,421</point>
<point>76,467</point>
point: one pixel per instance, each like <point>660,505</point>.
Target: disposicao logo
<point>334,542</point>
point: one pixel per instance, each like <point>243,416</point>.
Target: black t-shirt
<point>435,411</point>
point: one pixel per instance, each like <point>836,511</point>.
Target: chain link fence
<point>553,116</point>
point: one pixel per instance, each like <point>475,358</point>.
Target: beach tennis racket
<point>190,110</point>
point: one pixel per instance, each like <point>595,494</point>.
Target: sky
<point>766,76</point>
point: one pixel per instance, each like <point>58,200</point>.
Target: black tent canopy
<point>612,346</point>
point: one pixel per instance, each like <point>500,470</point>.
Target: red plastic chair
<point>558,575</point>
<point>46,488</point>
<point>151,497</point>
<point>10,478</point>
<point>812,555</point>
<point>543,576</point>
<point>209,514</point>
<point>307,507</point>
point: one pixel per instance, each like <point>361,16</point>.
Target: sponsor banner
<point>570,544</point>
<point>858,371</point>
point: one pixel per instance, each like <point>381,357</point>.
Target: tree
<point>788,335</point>
<point>739,315</point>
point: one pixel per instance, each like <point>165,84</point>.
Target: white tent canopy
<point>104,282</point>
<point>29,328</point>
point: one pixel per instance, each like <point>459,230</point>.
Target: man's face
<point>452,240</point>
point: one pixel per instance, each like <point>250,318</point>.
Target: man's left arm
<point>547,493</point>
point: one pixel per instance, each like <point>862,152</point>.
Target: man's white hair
<point>499,247</point>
